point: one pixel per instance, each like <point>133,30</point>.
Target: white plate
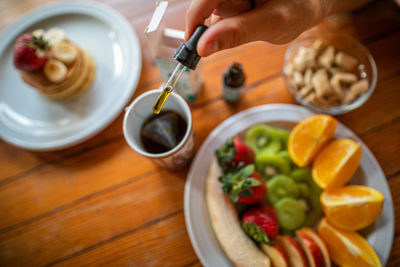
<point>380,235</point>
<point>32,121</point>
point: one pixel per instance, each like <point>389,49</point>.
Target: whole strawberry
<point>261,223</point>
<point>30,52</point>
<point>244,186</point>
<point>234,154</point>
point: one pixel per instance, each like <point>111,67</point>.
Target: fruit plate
<point>32,121</point>
<point>379,235</point>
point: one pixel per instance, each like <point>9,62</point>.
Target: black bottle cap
<point>234,76</point>
<point>186,54</point>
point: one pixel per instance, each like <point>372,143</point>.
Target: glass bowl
<point>341,42</point>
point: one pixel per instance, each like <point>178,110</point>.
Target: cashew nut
<point>307,77</point>
<point>327,57</point>
<point>305,58</point>
<point>305,91</point>
<point>318,45</point>
<point>320,82</point>
<point>346,61</point>
<point>313,98</point>
<point>298,79</point>
<point>356,90</point>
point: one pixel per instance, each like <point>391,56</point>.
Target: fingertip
<point>197,12</point>
<point>207,47</point>
<point>219,36</point>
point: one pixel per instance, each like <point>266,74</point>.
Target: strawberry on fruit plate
<point>30,51</point>
<point>244,186</point>
<point>233,154</point>
<point>261,223</point>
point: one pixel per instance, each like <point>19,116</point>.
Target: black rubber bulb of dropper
<point>186,54</point>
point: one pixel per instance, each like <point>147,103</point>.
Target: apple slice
<point>321,244</point>
<point>293,251</point>
<point>276,254</point>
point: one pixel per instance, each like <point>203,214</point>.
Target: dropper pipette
<point>187,56</point>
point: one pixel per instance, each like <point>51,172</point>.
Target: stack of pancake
<point>77,73</point>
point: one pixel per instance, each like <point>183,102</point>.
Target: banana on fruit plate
<point>240,249</point>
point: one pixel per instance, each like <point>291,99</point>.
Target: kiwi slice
<point>258,137</point>
<point>272,148</point>
<point>264,138</point>
<point>301,175</point>
<point>285,154</point>
<point>315,211</point>
<point>305,190</point>
<point>283,136</point>
<point>290,213</point>
<point>269,165</point>
<point>310,192</point>
<point>281,186</point>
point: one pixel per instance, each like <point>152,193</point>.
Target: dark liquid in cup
<point>162,132</point>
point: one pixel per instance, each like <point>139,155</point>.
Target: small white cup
<point>140,109</point>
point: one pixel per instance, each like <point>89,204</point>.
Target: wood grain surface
<point>101,204</point>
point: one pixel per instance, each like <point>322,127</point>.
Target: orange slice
<point>347,248</point>
<point>352,207</point>
<point>336,163</point>
<point>309,136</point>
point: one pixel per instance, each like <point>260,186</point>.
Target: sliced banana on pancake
<point>55,70</point>
<point>54,35</point>
<point>65,52</point>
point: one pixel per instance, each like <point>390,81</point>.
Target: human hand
<point>236,22</point>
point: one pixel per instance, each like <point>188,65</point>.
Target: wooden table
<point>100,203</point>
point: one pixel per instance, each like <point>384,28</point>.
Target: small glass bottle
<point>233,81</point>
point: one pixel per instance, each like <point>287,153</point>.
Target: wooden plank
<point>11,10</point>
<point>62,183</point>
<point>14,161</point>
<point>394,185</point>
<point>367,23</point>
<point>195,264</point>
<point>385,145</point>
<point>128,208</point>
<point>381,109</point>
<point>165,243</point>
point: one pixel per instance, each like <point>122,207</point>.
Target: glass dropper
<point>168,87</point>
<point>187,56</point>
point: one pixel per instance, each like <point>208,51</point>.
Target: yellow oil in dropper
<point>161,100</point>
<point>168,87</point>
